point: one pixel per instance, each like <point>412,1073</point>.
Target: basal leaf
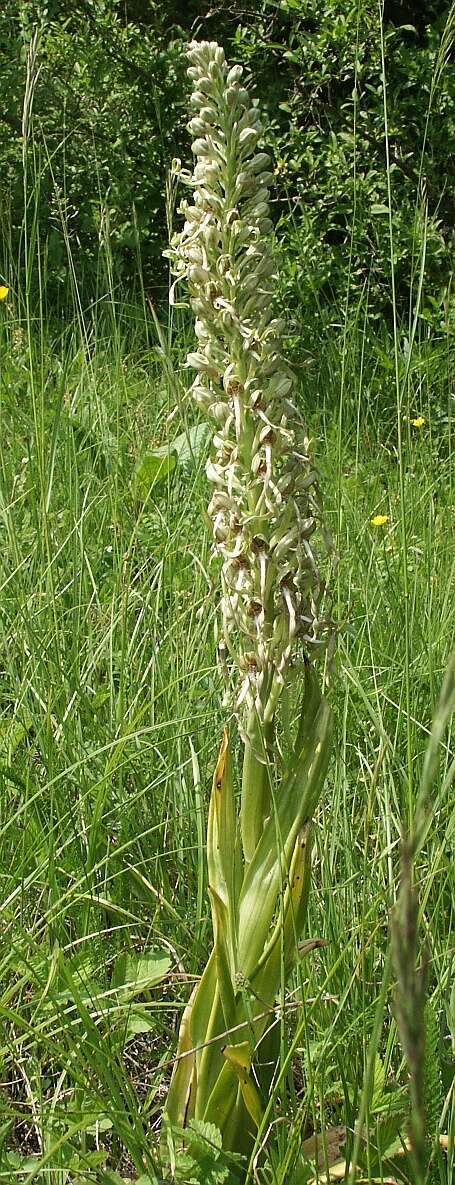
<point>153,468</point>
<point>136,973</point>
<point>190,446</point>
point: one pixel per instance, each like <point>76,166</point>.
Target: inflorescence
<point>266,503</point>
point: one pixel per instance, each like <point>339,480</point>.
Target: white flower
<point>266,504</point>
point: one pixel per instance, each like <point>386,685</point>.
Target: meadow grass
<point>111,716</point>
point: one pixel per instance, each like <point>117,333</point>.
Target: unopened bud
<point>234,75</point>
<point>201,148</point>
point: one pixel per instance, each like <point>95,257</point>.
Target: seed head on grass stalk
<point>266,502</point>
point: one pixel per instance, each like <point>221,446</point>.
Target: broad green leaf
<point>239,1058</point>
<point>151,469</point>
<point>223,847</point>
<point>26,1165</point>
<point>196,1071</point>
<point>222,1099</point>
<point>190,446</point>
<point>207,1021</point>
<point>138,1022</point>
<point>295,806</point>
<point>133,974</point>
<point>101,1123</point>
<point>284,940</point>
<point>221,932</point>
<point>180,1099</point>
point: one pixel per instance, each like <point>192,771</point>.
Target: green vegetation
<point>111,711</point>
<point>106,113</point>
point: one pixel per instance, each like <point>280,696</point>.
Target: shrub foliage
<point>105,118</point>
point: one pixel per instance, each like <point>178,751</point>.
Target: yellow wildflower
<point>418,422</point>
<point>281,168</point>
<point>3,292</point>
<point>379,520</point>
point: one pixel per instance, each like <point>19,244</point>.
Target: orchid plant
<point>265,509</point>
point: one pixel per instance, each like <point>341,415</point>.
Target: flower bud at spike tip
<point>266,487</point>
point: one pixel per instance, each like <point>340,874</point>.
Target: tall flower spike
<point>264,511</point>
<point>266,505</point>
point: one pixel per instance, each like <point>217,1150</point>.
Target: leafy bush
<point>329,135</point>
<point>109,83</point>
<point>103,126</point>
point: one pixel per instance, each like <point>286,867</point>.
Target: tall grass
<point>110,718</point>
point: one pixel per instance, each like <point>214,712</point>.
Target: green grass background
<point>111,717</point>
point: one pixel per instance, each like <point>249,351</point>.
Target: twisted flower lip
<point>265,484</point>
